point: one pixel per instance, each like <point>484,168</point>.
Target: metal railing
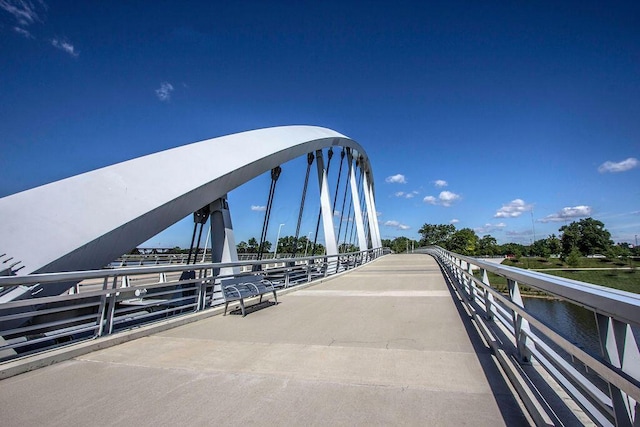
<point>129,260</point>
<point>605,386</point>
<point>102,302</point>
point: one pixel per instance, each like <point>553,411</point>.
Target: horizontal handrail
<point>44,278</point>
<point>608,301</point>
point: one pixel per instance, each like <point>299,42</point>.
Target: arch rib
<point>86,221</point>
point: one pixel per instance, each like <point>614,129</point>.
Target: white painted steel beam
<point>357,212</point>
<point>223,242</point>
<point>325,205</point>
<point>371,212</point>
<point>88,220</point>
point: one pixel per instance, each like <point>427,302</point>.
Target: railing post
<point>102,309</point>
<point>520,325</point>
<point>619,347</point>
<point>111,307</point>
<point>488,297</point>
<point>469,282</point>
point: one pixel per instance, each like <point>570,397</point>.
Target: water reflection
<point>576,324</point>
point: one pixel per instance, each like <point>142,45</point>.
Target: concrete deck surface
<point>383,345</point>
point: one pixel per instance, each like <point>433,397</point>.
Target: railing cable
<point>310,158</point>
<point>275,174</point>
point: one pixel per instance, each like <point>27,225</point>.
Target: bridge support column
<point>325,204</point>
<point>619,347</point>
<point>223,243</point>
<point>357,212</point>
<point>371,211</point>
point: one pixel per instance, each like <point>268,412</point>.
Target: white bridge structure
<point>58,301</point>
<point>87,221</point>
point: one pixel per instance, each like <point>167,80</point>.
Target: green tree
<point>587,235</point>
<point>514,249</point>
<point>436,234</point>
<point>291,245</point>
<point>573,258</point>
<point>241,247</point>
<point>252,246</point>
<point>487,245</point>
<point>400,244</point>
<point>540,248</point>
<point>348,247</point>
<point>554,244</point>
<point>463,242</point>
<point>320,250</point>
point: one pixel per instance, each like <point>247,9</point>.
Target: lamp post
<point>307,245</point>
<point>275,254</point>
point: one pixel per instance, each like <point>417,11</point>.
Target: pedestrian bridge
<point>364,348</point>
<point>357,337</point>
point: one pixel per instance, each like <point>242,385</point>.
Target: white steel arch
<point>88,220</point>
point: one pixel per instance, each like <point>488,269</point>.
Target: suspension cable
<point>310,158</point>
<point>201,216</point>
<point>275,174</point>
<point>335,196</point>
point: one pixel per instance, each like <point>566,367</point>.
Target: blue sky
<point>505,117</point>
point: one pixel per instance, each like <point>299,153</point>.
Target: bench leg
<point>275,297</point>
<point>242,307</point>
<point>226,305</point>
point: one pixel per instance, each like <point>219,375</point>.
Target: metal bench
<point>239,288</point>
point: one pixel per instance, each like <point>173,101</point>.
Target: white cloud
<point>513,209</point>
<point>488,228</point>
<point>439,183</point>
<point>410,195</point>
<point>164,92</point>
<point>568,213</point>
<point>26,34</point>
<point>445,198</point>
<point>431,200</point>
<point>26,12</point>
<point>64,46</point>
<point>622,166</point>
<point>454,221</point>
<point>396,179</point>
<point>397,225</point>
<point>258,208</point>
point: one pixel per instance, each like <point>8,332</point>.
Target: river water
<point>577,324</point>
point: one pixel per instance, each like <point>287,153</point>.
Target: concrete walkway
<point>384,345</point>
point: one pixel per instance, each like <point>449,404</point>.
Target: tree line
<point>580,238</point>
<point>286,245</point>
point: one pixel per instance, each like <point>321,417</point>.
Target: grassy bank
<point>618,274</point>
